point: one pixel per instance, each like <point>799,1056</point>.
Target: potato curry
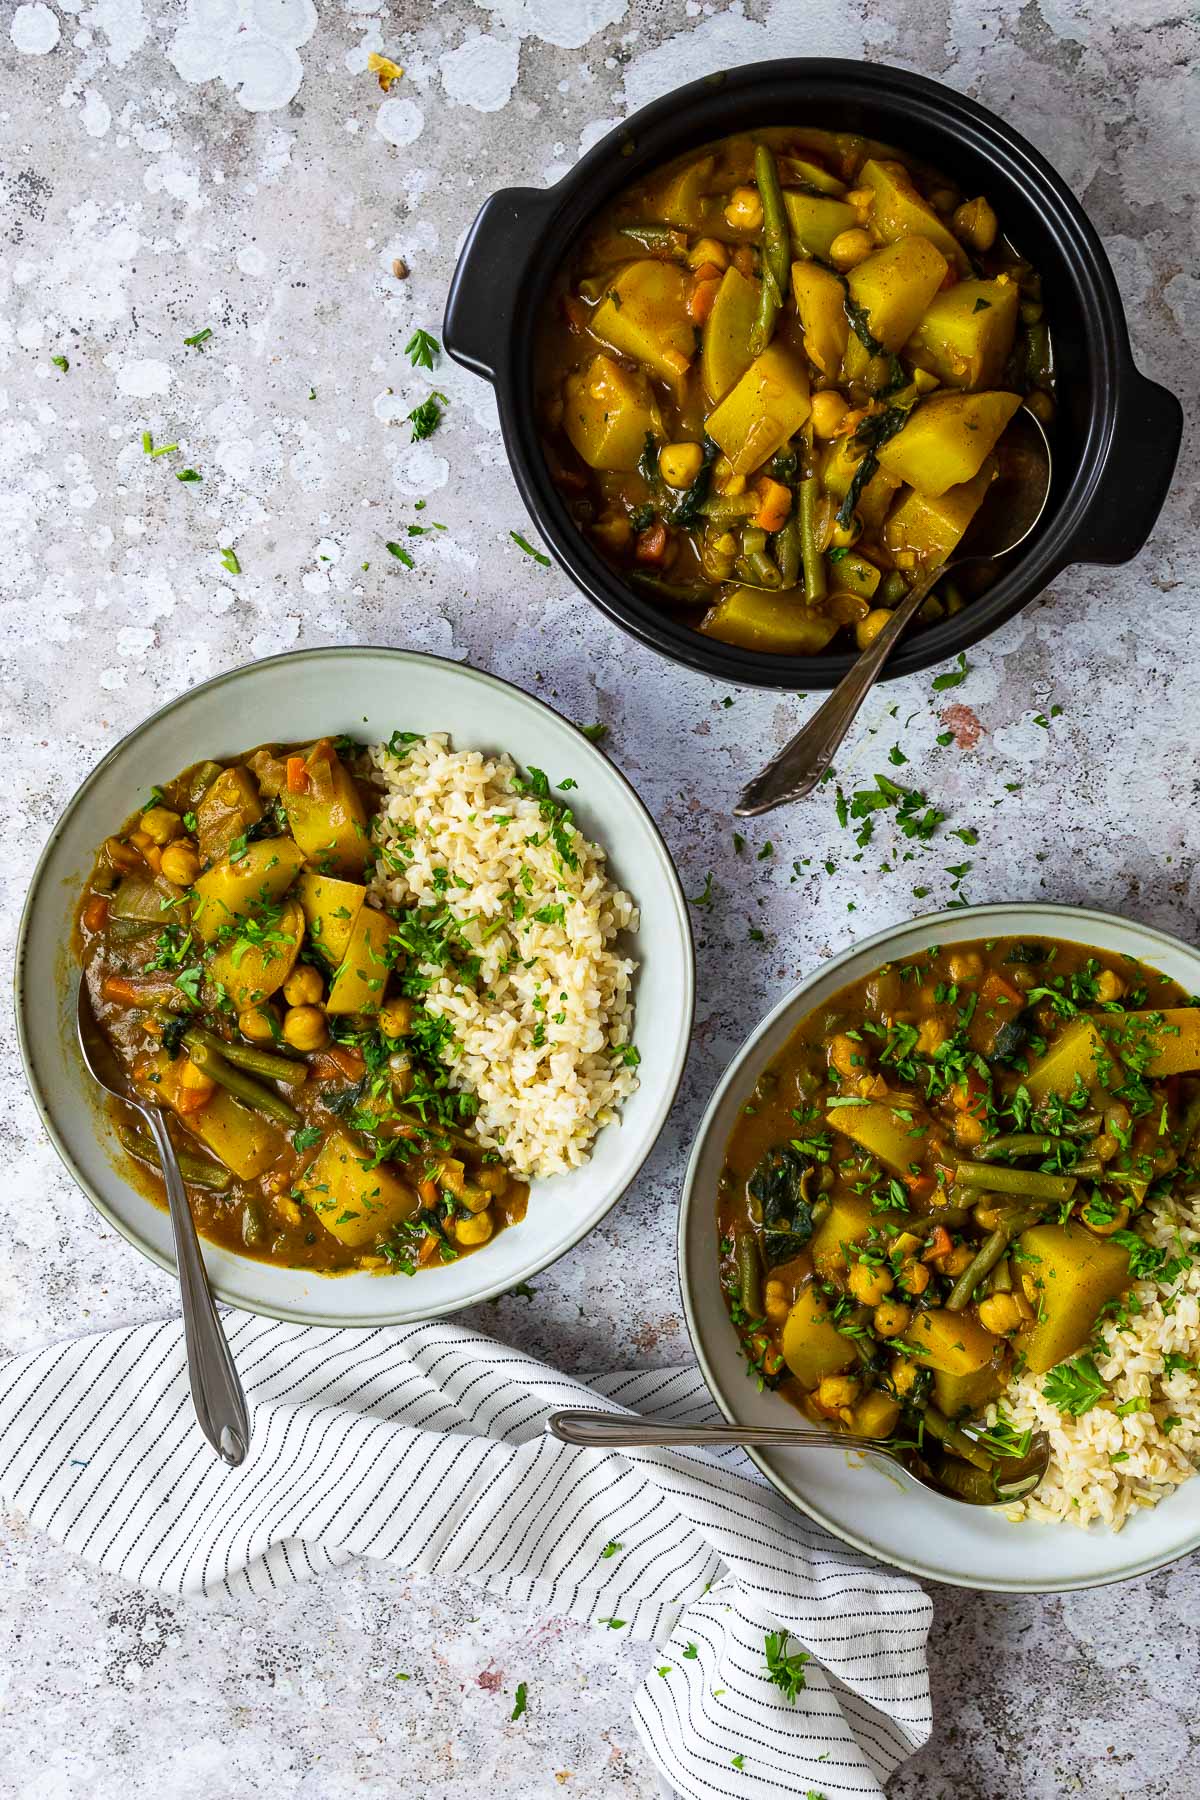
<point>772,377</point>
<point>936,1184</point>
<point>247,982</point>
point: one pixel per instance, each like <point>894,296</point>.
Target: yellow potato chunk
<point>251,973</point>
<point>812,1346</point>
<point>948,438</point>
<point>967,332</point>
<point>645,316</point>
<point>899,210</point>
<point>330,909</point>
<point>1159,1043</point>
<point>358,986</point>
<point>821,305</point>
<point>815,220</point>
<point>762,621</point>
<point>679,199</point>
<point>229,808</point>
<point>892,1131</point>
<point>1075,1274</point>
<point>893,287</point>
<point>931,527</point>
<point>328,819</point>
<point>1078,1054</point>
<point>356,1203</point>
<point>231,889</point>
<point>244,1142</point>
<point>847,1222</point>
<point>954,1342</point>
<point>725,353</point>
<point>854,574</point>
<point>963,1396</point>
<point>608,412</point>
<point>761,412</point>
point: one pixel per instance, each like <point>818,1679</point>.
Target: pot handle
<point>1133,486</point>
<point>482,299</point>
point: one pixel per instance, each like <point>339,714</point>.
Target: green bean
<point>198,1170</point>
<point>814,561</point>
<point>241,1086</point>
<point>763,569</point>
<point>1017,1143</point>
<point>201,779</point>
<point>1091,1165</point>
<point>1000,1180</point>
<point>776,249</point>
<point>1037,353</point>
<point>1000,1280</point>
<point>788,551</point>
<point>662,238</point>
<point>679,593</point>
<point>749,1268</point>
<point>728,509</point>
<point>923,1224</point>
<point>940,1427</point>
<point>258,1062</point>
<point>993,1247</point>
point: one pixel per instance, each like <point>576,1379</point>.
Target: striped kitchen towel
<point>423,1447</point>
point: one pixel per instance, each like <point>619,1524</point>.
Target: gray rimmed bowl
<point>366,693</point>
<point>899,1523</point>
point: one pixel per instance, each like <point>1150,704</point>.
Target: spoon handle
<point>802,762</point>
<point>624,1431</point>
<point>216,1391</point>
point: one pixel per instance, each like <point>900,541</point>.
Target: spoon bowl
<point>1009,1479</point>
<point>216,1391</point>
<point>1011,508</point>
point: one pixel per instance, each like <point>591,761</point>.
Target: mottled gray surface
<point>143,201</point>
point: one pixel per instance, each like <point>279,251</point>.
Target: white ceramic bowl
<point>366,693</point>
<point>888,1516</point>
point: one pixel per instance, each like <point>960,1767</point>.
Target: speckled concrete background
<point>144,199</point>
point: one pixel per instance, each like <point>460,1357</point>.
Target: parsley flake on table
<point>1043,721</point>
<point>183,474</point>
<point>953,677</point>
<point>401,555</point>
<point>421,349</point>
<point>613,1624</point>
<point>426,417</point>
<point>60,362</point>
<point>944,737</point>
<point>896,756</point>
<point>665,1669</point>
<point>739,1761</point>
<point>707,894</point>
<point>401,1676</point>
<point>521,1700</point>
<point>768,849</point>
<point>198,338</point>
<point>1075,1387</point>
<point>787,1672</point>
<point>690,1653</point>
<point>611,1549</point>
<point>595,734</point>
<point>527,547</point>
<point>229,561</point>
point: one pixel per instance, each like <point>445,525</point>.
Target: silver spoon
<point>216,1391</point>
<point>1013,1478</point>
<point>1011,508</point>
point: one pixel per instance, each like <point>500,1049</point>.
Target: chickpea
<point>975,223</point>
<point>476,1229</point>
<point>849,248</point>
<point>161,824</point>
<point>1109,986</point>
<point>259,1024</point>
<point>286,1208</point>
<point>868,629</point>
<point>870,1283</point>
<point>396,1017</point>
<point>999,1313</point>
<point>837,1391</point>
<point>891,1318</point>
<point>968,1130</point>
<point>828,411</point>
<point>304,986</point>
<point>180,863</point>
<point>745,209</point>
<point>845,1055</point>
<point>304,1028</point>
<point>679,464</point>
<point>956,1260</point>
<point>903,1374</point>
<point>965,965</point>
<point>914,1276</point>
<point>987,1216</point>
<point>842,536</point>
<point>862,200</point>
<point>1041,406</point>
<point>492,1179</point>
<point>775,1301</point>
<point>708,250</point>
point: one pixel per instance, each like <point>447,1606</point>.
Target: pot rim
<point>546,220</point>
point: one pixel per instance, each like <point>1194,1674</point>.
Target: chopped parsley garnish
<point>527,547</point>
<point>198,338</point>
<point>185,474</point>
<point>421,349</point>
<point>229,561</point>
<point>60,362</point>
<point>401,555</point>
<point>426,417</point>
<point>787,1672</point>
<point>707,894</point>
<point>1075,1387</point>
<point>611,1549</point>
<point>521,1700</point>
<point>954,677</point>
<point>594,733</point>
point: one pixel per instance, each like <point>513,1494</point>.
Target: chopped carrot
<point>921,1187</point>
<point>120,991</point>
<point>429,1249</point>
<point>939,1244</point>
<point>95,913</point>
<point>153,857</point>
<point>651,546</point>
<point>192,1100</point>
<point>428,1192</point>
<point>775,504</point>
<point>995,991</point>
<point>970,1094</point>
<point>297,775</point>
<point>702,299</point>
<point>707,272</point>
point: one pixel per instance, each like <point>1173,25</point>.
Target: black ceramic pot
<point>1116,435</point>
